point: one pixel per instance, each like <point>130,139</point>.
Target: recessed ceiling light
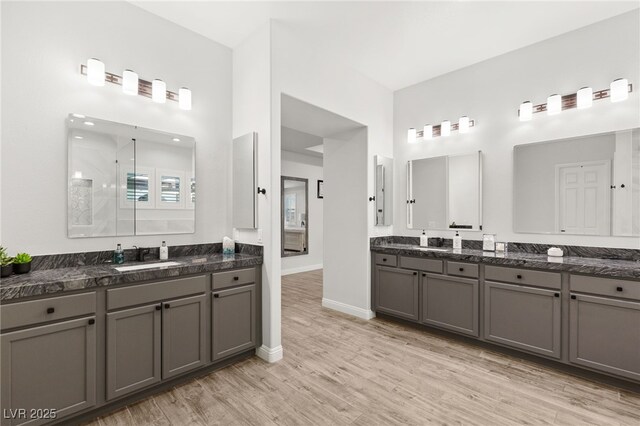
<point>175,140</point>
<point>78,115</point>
<point>78,137</point>
<point>89,123</point>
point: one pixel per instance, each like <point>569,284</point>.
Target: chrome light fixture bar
<point>583,98</point>
<point>443,129</point>
<point>145,88</point>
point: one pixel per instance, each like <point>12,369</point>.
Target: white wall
<point>43,45</point>
<point>491,91</point>
<point>306,167</point>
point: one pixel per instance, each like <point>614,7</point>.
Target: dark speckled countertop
<point>59,280</point>
<point>627,269</point>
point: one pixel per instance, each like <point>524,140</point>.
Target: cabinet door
<point>233,321</point>
<point>48,367</point>
<point>523,317</point>
<point>450,303</point>
<point>183,335</point>
<point>397,292</point>
<point>604,334</point>
<point>133,349</point>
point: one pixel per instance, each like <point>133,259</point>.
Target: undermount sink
<point>146,266</point>
<point>432,249</point>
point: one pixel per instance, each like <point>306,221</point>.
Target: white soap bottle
<point>424,240</point>
<point>457,241</point>
<point>164,251</point>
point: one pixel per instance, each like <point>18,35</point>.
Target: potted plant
<point>22,263</point>
<point>6,263</point>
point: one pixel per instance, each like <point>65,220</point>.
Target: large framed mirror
<point>294,217</point>
<point>245,181</point>
<point>445,193</point>
<point>587,185</point>
<point>128,180</point>
<point>384,191</point>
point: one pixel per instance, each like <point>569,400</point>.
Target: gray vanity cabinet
<point>48,367</point>
<point>133,349</point>
<point>450,303</point>
<point>233,320</point>
<point>397,292</point>
<point>605,334</point>
<point>522,317</point>
<point>184,335</point>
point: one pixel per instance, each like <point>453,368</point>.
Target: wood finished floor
<point>341,370</point>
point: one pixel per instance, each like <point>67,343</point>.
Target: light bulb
<point>427,133</point>
<point>184,98</point>
<point>554,104</point>
<point>129,82</point>
<point>463,124</point>
<point>95,72</point>
<point>159,91</point>
<point>411,137</point>
<point>584,97</point>
<point>526,111</point>
<point>619,90</point>
<point>445,128</point>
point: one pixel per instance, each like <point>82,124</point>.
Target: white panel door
<point>583,193</point>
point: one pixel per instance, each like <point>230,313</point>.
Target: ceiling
<point>395,43</point>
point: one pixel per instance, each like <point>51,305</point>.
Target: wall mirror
<point>384,190</point>
<point>588,185</point>
<point>128,180</point>
<point>245,185</point>
<point>294,217</point>
<point>445,193</point>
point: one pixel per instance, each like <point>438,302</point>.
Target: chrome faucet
<point>142,253</point>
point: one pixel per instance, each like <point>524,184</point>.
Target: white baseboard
<point>270,354</point>
<point>301,269</point>
<point>348,309</point>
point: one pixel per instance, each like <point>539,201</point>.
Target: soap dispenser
<point>457,241</point>
<point>424,240</point>
<point>164,251</point>
<point>118,255</point>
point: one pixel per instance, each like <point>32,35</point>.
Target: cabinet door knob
<point>51,310</point>
<point>158,307</point>
<point>556,294</point>
<point>519,276</point>
<point>92,321</point>
<point>236,278</point>
<point>573,296</point>
<point>216,295</point>
<point>415,273</point>
<point>167,306</point>
<point>461,269</point>
<point>384,259</point>
<point>619,288</point>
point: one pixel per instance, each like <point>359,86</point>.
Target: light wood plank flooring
<point>341,370</point>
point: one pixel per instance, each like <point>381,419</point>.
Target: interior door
<point>583,198</point>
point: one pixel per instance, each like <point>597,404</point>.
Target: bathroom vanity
<point>579,311</point>
<point>78,341</point>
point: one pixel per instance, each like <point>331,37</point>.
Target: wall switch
<point>236,234</point>
<point>259,235</point>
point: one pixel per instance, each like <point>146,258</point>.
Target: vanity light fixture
<point>585,97</point>
<point>443,129</point>
<point>95,72</point>
<point>618,90</point>
<point>131,84</point>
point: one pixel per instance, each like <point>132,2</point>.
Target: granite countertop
<point>583,265</point>
<point>59,280</point>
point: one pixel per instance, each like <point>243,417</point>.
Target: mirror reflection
<point>445,192</point>
<point>384,191</point>
<point>588,185</point>
<point>294,216</point>
<point>128,180</point>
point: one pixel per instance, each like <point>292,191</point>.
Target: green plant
<point>22,258</point>
<point>5,259</point>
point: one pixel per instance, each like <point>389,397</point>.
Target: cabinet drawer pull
<point>50,310</point>
<point>573,296</point>
<point>556,294</point>
<point>461,269</point>
<point>216,295</point>
<point>92,321</point>
<point>619,288</point>
<point>158,307</point>
<point>384,259</point>
<point>167,306</point>
<point>236,278</point>
<point>519,276</point>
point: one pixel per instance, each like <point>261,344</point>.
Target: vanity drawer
<point>386,259</point>
<point>605,286</point>
<point>54,308</point>
<point>233,278</point>
<point>462,269</point>
<point>523,276</point>
<point>155,292</point>
<point>427,265</point>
